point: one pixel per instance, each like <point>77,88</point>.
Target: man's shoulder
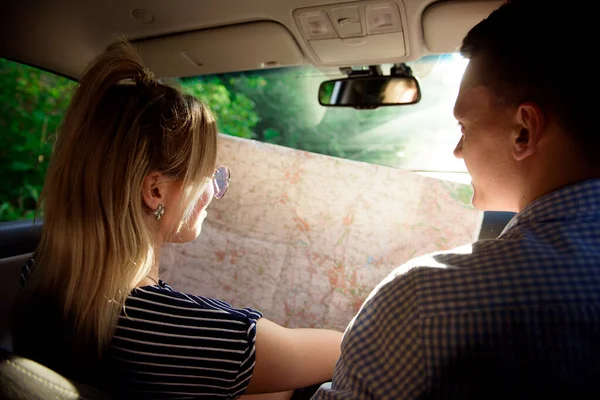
<point>504,273</point>
<point>437,279</point>
<point>469,258</point>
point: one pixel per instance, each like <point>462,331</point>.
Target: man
<point>518,316</point>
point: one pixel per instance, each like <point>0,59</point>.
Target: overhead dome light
<point>141,15</point>
<point>270,64</point>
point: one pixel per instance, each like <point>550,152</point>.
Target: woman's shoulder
<point>163,299</point>
<point>192,343</point>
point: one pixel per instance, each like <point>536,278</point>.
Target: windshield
<point>280,106</point>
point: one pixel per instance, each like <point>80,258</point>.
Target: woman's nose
<point>458,148</point>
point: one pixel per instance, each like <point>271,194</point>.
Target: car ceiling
<point>64,35</point>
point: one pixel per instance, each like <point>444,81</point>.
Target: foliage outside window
<point>32,104</point>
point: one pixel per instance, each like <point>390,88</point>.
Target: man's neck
<point>554,179</point>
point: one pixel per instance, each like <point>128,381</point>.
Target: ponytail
<point>96,243</point>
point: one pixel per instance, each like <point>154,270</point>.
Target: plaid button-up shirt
<point>513,317</point>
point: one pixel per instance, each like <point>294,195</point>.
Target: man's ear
<point>530,125</point>
<point>152,191</point>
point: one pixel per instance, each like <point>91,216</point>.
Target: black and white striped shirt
<point>174,345</point>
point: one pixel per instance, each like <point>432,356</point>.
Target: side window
<point>32,104</point>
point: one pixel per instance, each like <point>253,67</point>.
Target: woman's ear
<point>530,125</point>
<point>152,190</point>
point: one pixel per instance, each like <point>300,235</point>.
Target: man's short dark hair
<point>542,51</point>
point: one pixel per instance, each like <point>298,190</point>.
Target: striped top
<point>511,318</point>
<point>172,345</point>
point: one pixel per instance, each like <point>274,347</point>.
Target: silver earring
<point>159,212</point>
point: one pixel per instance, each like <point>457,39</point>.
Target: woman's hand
<point>289,359</point>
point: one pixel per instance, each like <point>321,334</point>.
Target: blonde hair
<point>97,242</point>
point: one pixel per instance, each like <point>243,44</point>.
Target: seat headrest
<point>24,379</point>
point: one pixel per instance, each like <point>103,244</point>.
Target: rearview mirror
<point>370,92</point>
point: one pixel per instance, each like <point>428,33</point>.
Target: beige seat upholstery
<point>21,378</point>
<point>24,379</point>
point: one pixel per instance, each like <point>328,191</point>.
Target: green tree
<point>32,104</point>
<point>234,112</point>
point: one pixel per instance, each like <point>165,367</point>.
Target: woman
<point>133,168</point>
